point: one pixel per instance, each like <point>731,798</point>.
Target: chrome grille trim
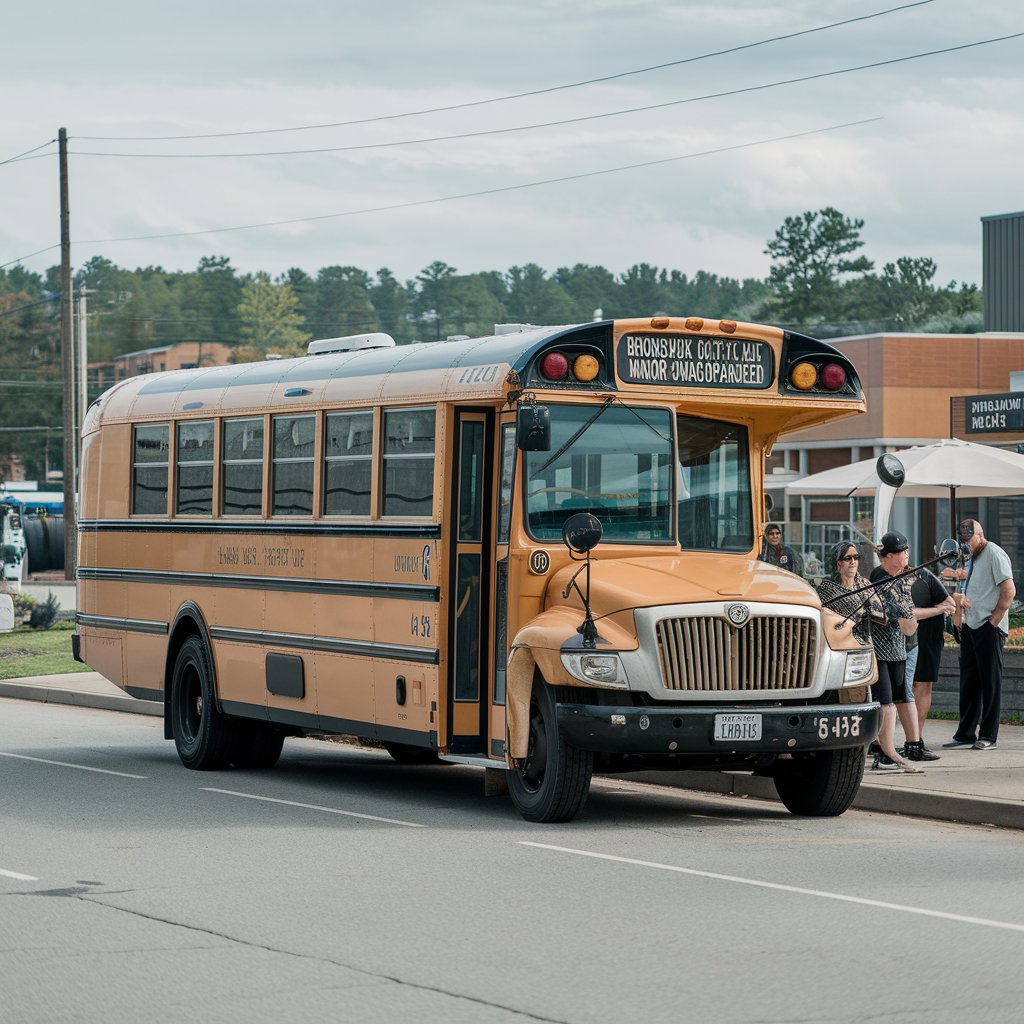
<point>707,654</point>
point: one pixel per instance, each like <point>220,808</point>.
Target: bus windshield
<point>715,503</point>
<point>619,468</point>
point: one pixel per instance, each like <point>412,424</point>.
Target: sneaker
<point>983,745</point>
<point>918,752</point>
<point>957,742</point>
<point>885,765</point>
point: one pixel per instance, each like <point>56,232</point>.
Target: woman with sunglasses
<point>862,609</point>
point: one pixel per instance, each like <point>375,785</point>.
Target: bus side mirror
<point>582,533</point>
<point>890,470</point>
<point>533,428</point>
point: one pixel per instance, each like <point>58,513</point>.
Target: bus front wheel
<point>204,738</point>
<point>822,784</point>
<point>552,782</point>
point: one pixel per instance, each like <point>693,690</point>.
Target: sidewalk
<point>973,786</point>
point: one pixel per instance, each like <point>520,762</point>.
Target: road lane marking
<point>17,875</point>
<point>80,767</point>
<point>314,807</point>
<point>779,887</point>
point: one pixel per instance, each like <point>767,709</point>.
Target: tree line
<point>820,282</point>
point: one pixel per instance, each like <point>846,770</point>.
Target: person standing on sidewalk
<point>983,614</point>
<point>774,552</point>
<point>891,690</point>
<point>931,606</point>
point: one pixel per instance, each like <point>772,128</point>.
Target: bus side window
<point>150,460</point>
<point>194,476</point>
<point>292,468</point>
<point>348,463</point>
<point>408,462</point>
<point>242,467</point>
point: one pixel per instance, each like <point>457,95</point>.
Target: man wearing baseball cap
<point>892,690</point>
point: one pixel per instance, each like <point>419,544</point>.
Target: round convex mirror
<point>890,470</point>
<point>582,532</point>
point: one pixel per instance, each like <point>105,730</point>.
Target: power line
<point>488,191</point>
<point>555,124</point>
<point>21,156</point>
<point>30,305</point>
<point>512,96</point>
<point>29,256</point>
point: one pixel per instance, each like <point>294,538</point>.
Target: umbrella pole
<point>952,513</point>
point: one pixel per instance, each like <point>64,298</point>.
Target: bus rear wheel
<point>821,784</point>
<point>552,782</point>
<point>257,745</point>
<point>204,738</point>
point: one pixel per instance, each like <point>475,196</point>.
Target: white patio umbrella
<point>949,468</point>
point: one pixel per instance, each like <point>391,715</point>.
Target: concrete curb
<point>916,803</point>
<point>80,698</point>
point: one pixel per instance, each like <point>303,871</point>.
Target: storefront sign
<point>679,360</point>
<point>992,414</point>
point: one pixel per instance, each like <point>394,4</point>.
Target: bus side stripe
<point>346,588</point>
<point>425,531</point>
<point>115,622</point>
<point>332,645</point>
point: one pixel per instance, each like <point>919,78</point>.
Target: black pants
<point>981,674</point>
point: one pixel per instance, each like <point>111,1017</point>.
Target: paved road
<point>342,886</point>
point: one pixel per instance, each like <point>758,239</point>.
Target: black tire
<point>403,753</point>
<point>204,738</point>
<point>822,784</point>
<point>552,782</point>
<point>257,745</point>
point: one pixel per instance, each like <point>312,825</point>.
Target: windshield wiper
<point>579,433</point>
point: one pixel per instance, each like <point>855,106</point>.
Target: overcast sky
<point>947,151</point>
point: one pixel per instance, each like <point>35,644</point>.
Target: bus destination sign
<point>993,414</point>
<point>695,361</point>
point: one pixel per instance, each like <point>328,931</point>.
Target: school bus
<point>535,552</point>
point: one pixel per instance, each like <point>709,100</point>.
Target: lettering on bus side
<point>278,557</point>
<point>416,564</point>
<point>678,360</point>
<point>478,374</point>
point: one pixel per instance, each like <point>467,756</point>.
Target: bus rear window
<point>150,458</point>
<point>408,462</point>
<point>715,503</point>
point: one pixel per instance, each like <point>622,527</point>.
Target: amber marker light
<point>659,322</point>
<point>694,323</point>
<point>585,368</point>
<point>727,326</point>
<point>803,376</point>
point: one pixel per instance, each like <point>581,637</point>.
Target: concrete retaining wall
<point>946,696</point>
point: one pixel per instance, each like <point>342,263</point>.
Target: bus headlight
<point>858,667</point>
<point>599,669</point>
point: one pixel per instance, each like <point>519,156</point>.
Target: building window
<point>408,462</point>
<point>150,458</point>
<point>348,463</point>
<point>194,476</point>
<point>242,467</point>
<point>294,438</point>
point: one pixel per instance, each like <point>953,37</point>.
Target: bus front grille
<point>705,654</point>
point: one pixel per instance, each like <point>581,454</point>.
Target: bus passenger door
<point>469,582</point>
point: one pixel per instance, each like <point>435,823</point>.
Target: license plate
<point>841,727</point>
<point>737,727</point>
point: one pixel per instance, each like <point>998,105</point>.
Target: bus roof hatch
<point>351,343</point>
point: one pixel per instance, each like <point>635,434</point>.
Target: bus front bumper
<point>718,730</point>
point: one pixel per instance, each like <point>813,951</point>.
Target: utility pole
<point>67,363</point>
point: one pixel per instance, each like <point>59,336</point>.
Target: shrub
<point>44,615</point>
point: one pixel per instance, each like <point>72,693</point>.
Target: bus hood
<point>621,584</point>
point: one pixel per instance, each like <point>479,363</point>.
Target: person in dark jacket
<point>774,552</point>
